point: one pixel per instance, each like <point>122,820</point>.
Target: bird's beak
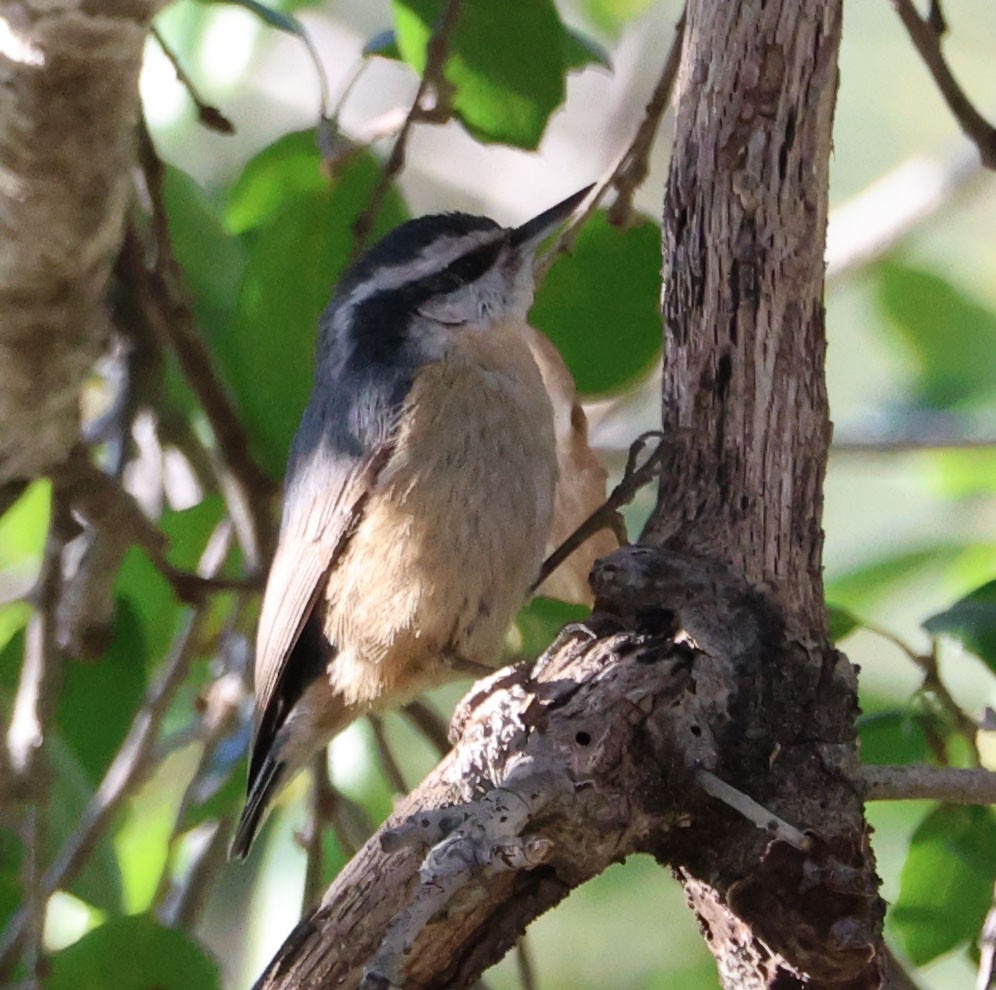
<point>533,232</point>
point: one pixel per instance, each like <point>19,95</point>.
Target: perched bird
<point>420,489</point>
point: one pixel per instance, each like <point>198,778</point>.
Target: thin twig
<point>314,872</point>
<point>245,486</point>
<point>955,785</point>
<point>927,663</point>
<point>429,724</point>
<point>986,978</point>
<point>434,83</point>
<point>187,898</point>
<point>606,516</point>
<point>927,42</point>
<point>387,761</point>
<point>746,806</point>
<point>630,168</point>
<point>524,964</point>
<point>127,771</point>
<point>210,116</point>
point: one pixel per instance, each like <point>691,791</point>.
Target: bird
<point>420,488</point>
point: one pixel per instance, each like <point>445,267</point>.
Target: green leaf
<point>891,737</point>
<point>211,259</point>
<point>539,622</point>
<point>950,336</point>
<point>23,528</point>
<point>583,50</point>
<point>842,622</point>
<point>294,260</point>
<point>971,621</point>
<point>99,699</point>
<point>947,881</point>
<point>99,883</point>
<point>133,953</point>
<point>611,15</point>
<point>600,305</point>
<point>506,63</point>
<point>287,170</point>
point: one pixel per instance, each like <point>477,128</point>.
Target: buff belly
<point>456,534</point>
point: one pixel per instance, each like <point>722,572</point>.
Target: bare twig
<point>244,484</point>
<point>524,964</point>
<point>932,685</point>
<point>27,736</point>
<point>127,771</point>
<point>186,900</point>
<point>314,872</point>
<point>630,169</point>
<point>955,785</point>
<point>429,724</point>
<point>434,84</point>
<point>210,116</point>
<point>927,42</point>
<point>606,516</point>
<point>747,807</point>
<point>387,761</point>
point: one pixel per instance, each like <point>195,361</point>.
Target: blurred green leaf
<point>611,15</point>
<point>583,50</point>
<point>600,304</point>
<point>541,620</point>
<point>99,883</point>
<point>212,260</point>
<point>133,953</point>
<point>842,622</point>
<point>971,621</point>
<point>951,337</point>
<point>22,539</point>
<point>860,587</point>
<point>947,881</point>
<point>506,63</point>
<point>13,618</point>
<point>294,259</point>
<point>895,737</point>
<point>99,699</point>
<point>287,170</point>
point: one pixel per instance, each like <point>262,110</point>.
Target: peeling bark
<point>69,106</point>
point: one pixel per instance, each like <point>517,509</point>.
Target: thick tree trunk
<point>707,657</point>
<point>69,107</point>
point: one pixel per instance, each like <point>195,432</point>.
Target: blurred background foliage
<point>545,96</point>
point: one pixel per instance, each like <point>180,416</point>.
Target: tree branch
<point>955,785</point>
<point>927,41</point>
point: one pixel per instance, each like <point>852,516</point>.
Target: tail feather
<point>262,790</point>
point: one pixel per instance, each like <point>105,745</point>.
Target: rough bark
<point>69,106</point>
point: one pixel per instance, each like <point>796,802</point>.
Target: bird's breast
<point>455,531</point>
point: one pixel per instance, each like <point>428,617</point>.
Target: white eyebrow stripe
<point>433,258</point>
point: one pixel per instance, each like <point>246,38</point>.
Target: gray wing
<point>345,438</point>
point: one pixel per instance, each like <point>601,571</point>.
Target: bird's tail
<point>264,787</point>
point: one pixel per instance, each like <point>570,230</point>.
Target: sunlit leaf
<point>506,63</point>
<point>22,538</point>
<point>947,881</point>
<point>294,260</point>
<point>951,336</point>
<point>971,621</point>
<point>601,305</point>
<point>133,953</point>
<point>612,15</point>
